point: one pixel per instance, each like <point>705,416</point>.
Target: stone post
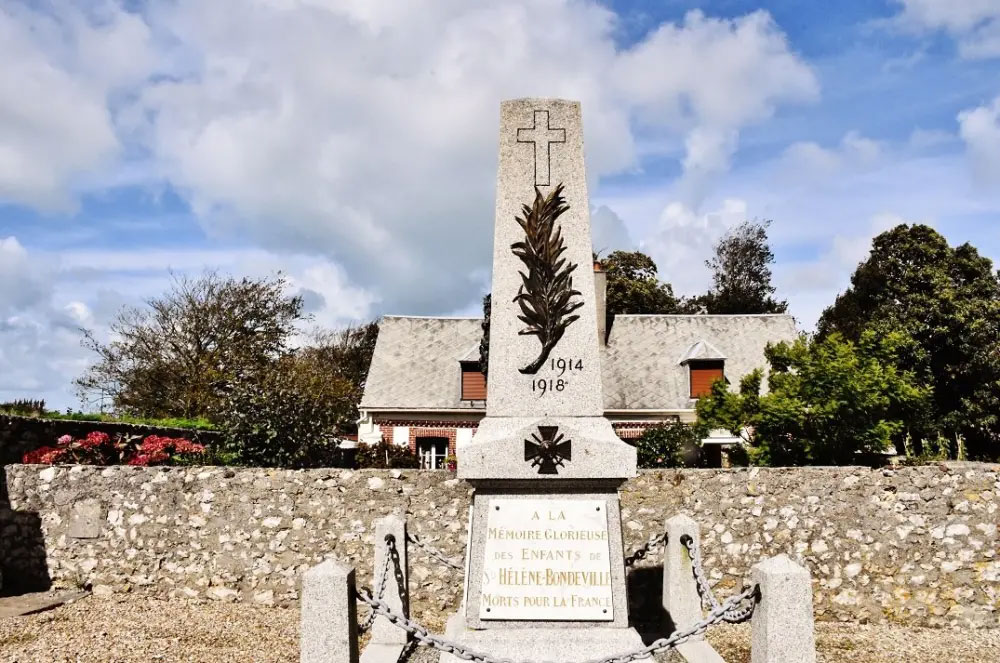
<point>782,623</point>
<point>383,631</point>
<point>680,593</point>
<point>329,622</point>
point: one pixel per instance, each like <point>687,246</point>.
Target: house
<point>425,389</point>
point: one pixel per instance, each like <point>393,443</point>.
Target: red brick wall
<point>417,432</point>
<point>429,428</point>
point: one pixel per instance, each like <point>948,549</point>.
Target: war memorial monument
<point>545,573</point>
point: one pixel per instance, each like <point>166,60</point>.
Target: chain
<point>425,637</point>
<point>390,542</point>
<point>432,551</point>
<point>738,613</point>
<point>643,550</point>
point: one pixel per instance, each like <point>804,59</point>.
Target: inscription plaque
<point>546,560</point>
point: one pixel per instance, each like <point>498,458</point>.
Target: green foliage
<point>282,413</point>
<point>172,357</point>
<point>168,422</point>
<point>24,407</point>
<point>635,287</point>
<point>828,400</point>
<point>385,455</point>
<point>546,296</point>
<point>666,445</point>
<point>212,456</point>
<point>948,301</point>
<point>346,355</point>
<point>741,273</point>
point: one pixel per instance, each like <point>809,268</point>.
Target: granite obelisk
<point>541,150</point>
<point>545,568</point>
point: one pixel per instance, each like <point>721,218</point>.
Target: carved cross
<point>542,135</point>
<point>550,451</point>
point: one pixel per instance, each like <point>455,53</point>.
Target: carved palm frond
<point>546,295</point>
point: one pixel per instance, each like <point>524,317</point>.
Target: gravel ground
<point>136,629</point>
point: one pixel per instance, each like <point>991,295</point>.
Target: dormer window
<point>703,372</point>
<point>473,382</point>
<point>706,364</point>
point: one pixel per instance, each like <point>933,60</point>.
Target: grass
<point>170,422</point>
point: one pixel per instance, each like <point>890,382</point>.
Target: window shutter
<point>473,382</point>
<point>703,374</point>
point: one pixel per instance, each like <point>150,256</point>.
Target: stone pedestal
<point>542,643</point>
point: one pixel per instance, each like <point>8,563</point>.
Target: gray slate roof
<point>642,362</point>
<point>416,361</point>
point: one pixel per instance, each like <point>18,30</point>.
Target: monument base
<point>379,652</point>
<point>541,644</point>
<point>588,449</point>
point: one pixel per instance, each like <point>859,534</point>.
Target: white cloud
<point>685,240</point>
<point>46,298</point>
<point>927,139</point>
<point>23,283</point>
<point>809,160</point>
<point>608,232</point>
<point>980,129</point>
<point>812,285</point>
<point>847,251</point>
<point>712,76</point>
<point>974,24</point>
<point>57,75</point>
<point>367,133</point>
<point>355,142</point>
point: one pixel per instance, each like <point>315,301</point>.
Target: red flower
<point>44,456</point>
<point>94,440</point>
<point>34,457</point>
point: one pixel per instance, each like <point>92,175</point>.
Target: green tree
<point>948,301</point>
<point>668,445</point>
<point>741,273</point>
<point>287,413</point>
<point>344,354</point>
<point>828,400</point>
<point>634,286</point>
<point>170,358</point>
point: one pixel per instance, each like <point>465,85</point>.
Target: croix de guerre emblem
<point>550,451</point>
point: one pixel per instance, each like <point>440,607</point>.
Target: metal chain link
<point>425,637</point>
<point>738,613</point>
<point>390,542</point>
<point>642,551</point>
<point>433,552</point>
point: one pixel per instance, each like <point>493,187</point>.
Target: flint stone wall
<point>19,434</point>
<point>912,545</point>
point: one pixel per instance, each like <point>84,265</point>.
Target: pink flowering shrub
<point>99,448</point>
<point>158,450</point>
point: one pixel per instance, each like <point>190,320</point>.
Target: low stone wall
<point>19,435</point>
<point>913,545</point>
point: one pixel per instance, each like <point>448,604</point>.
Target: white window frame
<point>430,456</point>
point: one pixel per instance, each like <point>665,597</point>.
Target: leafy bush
<point>667,445</point>
<point>282,414</point>
<point>830,401</point>
<point>99,448</point>
<point>386,455</point>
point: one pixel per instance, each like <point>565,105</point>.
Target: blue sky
<point>351,145</point>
